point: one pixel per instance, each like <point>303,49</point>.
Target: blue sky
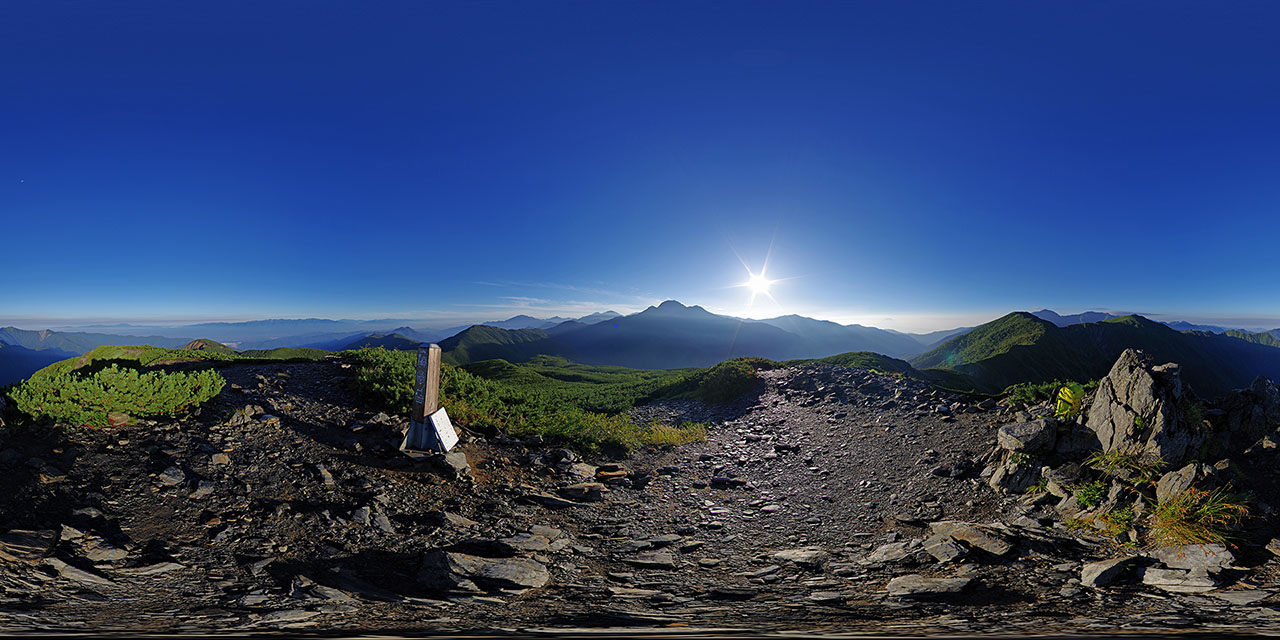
<point>914,165</point>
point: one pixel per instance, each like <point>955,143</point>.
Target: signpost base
<point>436,434</point>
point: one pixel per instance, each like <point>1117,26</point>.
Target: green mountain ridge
<point>1020,347</point>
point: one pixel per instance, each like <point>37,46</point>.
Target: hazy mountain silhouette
<point>18,363</point>
<point>672,335</point>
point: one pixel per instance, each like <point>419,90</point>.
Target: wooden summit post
<point>426,388</point>
<point>429,425</point>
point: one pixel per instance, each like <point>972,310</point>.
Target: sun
<point>758,284</point>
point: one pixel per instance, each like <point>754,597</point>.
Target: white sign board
<point>445,435</point>
<point>435,434</point>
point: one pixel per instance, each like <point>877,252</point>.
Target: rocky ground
<point>835,500</point>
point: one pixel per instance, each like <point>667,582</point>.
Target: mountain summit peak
<point>674,307</point>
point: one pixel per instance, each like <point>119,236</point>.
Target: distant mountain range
<point>672,335</point>
<point>25,352</point>
<point>1099,316</point>
<point>1019,347</point>
<point>1023,347</point>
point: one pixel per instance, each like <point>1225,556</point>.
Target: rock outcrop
<point>1143,408</point>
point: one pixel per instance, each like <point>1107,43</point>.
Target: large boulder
<point>1104,573</point>
<point>1248,415</point>
<point>1138,409</point>
<point>1028,437</point>
<point>1173,483</point>
<point>1014,477</point>
<point>459,571</point>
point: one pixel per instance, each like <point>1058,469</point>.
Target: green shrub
<point>1118,521</point>
<point>86,399</point>
<point>1090,495</point>
<point>560,411</point>
<point>1197,517</point>
<point>727,381</point>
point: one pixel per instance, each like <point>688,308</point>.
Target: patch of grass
<point>661,435</point>
<point>286,353</point>
<point>1038,488</point>
<point>1145,467</point>
<point>1091,494</point>
<point>1019,457</point>
<point>1076,524</point>
<point>86,398</point>
<point>1197,517</point>
<point>1118,521</point>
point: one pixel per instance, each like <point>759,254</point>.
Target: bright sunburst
<point>758,284</point>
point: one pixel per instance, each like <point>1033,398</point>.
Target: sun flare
<point>758,284</point>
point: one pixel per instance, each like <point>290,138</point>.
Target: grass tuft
<point>661,435</point>
<point>1197,517</point>
<point>1144,465</point>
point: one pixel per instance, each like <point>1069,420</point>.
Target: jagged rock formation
<point>1139,407</point>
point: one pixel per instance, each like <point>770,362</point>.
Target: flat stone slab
<point>943,548</point>
<point>1177,580</point>
<point>654,560</point>
<point>918,586</point>
<point>892,552</point>
<point>26,545</point>
<point>77,575</point>
<point>804,556</point>
<point>1211,558</point>
<point>1242,596</point>
<point>1101,574</point>
<point>971,535</point>
<point>584,492</point>
<point>438,567</point>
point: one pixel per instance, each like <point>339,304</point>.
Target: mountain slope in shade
<point>76,342</point>
<point>1078,318</point>
<point>825,337</point>
<point>204,344</point>
<point>599,317</point>
<point>483,342</point>
<point>1269,338</point>
<point>392,341</point>
<point>1020,347</point>
<point>1183,325</point>
<point>18,363</point>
